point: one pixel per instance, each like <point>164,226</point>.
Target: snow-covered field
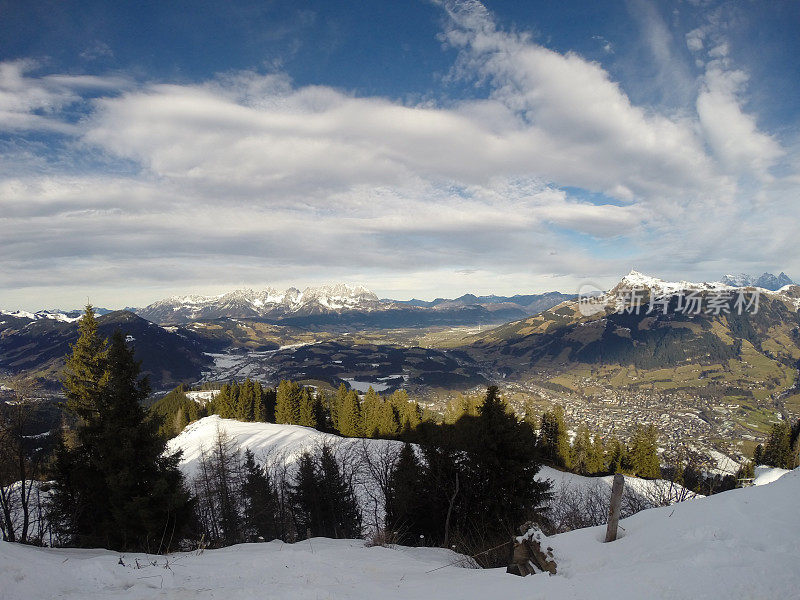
<point>741,544</point>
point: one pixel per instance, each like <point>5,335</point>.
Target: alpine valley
<point>705,378</point>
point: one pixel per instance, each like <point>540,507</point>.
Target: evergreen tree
<point>259,403</point>
<point>319,404</point>
<point>85,368</point>
<point>502,466</point>
<point>287,406</point>
<point>758,455</point>
<point>778,449</point>
<point>615,456</point>
<point>644,452</point>
<point>336,405</point>
<point>176,411</point>
<point>389,421</point>
<point>116,488</point>
<point>350,420</point>
<point>307,414</point>
<point>260,501</point>
<point>596,462</point>
<point>245,408</point>
<point>552,440</point>
<point>404,498</point>
<point>371,410</point>
<point>341,515</point>
<point>581,450</point>
<point>306,498</point>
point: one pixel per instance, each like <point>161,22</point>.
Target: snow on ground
<point>202,396</point>
<point>263,439</point>
<point>741,544</point>
<point>647,488</point>
<point>765,474</point>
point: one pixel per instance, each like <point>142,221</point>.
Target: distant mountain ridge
<point>767,281</point>
<point>349,305</point>
<point>37,347</point>
<point>267,303</point>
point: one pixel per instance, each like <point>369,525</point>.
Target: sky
<point>421,148</point>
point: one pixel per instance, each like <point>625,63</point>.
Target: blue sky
<point>421,148</point>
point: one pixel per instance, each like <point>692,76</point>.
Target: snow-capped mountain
<point>767,281</point>
<point>266,303</point>
<point>42,314</point>
<point>661,288</point>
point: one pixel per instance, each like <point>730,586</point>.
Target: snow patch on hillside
<point>765,474</point>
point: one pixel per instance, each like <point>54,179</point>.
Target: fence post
<point>613,510</point>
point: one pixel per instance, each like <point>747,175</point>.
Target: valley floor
<point>742,544</point>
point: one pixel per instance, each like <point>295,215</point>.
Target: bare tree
<point>18,470</point>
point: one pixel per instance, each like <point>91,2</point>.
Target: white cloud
<point>733,134</point>
<point>248,178</point>
<point>29,103</point>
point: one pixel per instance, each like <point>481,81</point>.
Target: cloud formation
<point>553,174</point>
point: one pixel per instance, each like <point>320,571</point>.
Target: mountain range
<point>35,345</point>
<point>767,281</point>
<point>348,305</point>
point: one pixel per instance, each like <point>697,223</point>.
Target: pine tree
<point>778,449</point>
<point>404,498</point>
<point>644,452</point>
<point>306,498</point>
<point>259,403</point>
<point>615,456</point>
<point>552,440</point>
<point>581,450</point>
<point>389,421</point>
<point>260,502</point>
<point>245,408</point>
<point>350,420</point>
<point>341,515</point>
<point>116,488</point>
<point>596,463</point>
<point>371,409</point>
<point>336,405</point>
<point>408,412</point>
<point>307,414</point>
<point>85,368</point>
<point>758,455</point>
<point>502,464</point>
<point>287,406</point>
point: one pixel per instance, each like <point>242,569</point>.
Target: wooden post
<point>613,510</point>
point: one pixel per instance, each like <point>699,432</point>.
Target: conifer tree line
<point>291,403</point>
<point>589,454</point>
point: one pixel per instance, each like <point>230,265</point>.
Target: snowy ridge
<point>268,302</point>
<point>636,280</point>
<point>41,314</point>
<point>765,280</point>
<point>265,440</point>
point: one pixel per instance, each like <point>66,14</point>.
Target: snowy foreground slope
<point>735,545</point>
